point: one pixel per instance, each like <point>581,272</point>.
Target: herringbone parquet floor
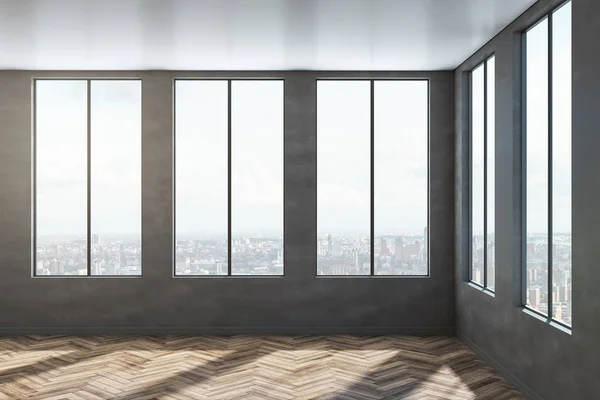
<point>245,367</point>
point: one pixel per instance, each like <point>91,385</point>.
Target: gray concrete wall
<point>547,362</point>
<point>156,302</point>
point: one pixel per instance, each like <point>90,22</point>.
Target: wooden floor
<point>245,367</point>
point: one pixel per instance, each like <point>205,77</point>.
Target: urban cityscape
<point>478,261</point>
<point>537,272</point>
<point>394,255</point>
<point>251,255</point>
<point>111,255</point>
<point>537,275</point>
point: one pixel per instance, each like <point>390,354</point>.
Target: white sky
<point>257,157</point>
<point>537,130</point>
<point>62,157</point>
<point>343,157</point>
<point>537,124</point>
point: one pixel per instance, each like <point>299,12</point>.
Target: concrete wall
<point>545,361</point>
<point>156,302</point>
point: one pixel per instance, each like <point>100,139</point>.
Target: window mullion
<point>34,256</point>
<point>89,177</point>
<point>471,166</point>
<point>229,239</point>
<point>524,170</point>
<point>550,174</point>
<point>372,156</point>
<point>485,178</point>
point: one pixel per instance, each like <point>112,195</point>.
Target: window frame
<point>549,317</point>
<point>88,81</point>
<point>372,177</point>
<point>485,287</point>
<point>229,274</point>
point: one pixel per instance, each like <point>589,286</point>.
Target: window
<point>87,177</point>
<point>372,177</point>
<point>228,177</point>
<point>547,166</point>
<point>483,243</point>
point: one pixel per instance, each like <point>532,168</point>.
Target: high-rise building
<point>477,275</point>
<point>96,268</point>
<point>399,249</point>
<point>563,294</point>
<point>336,250</point>
<point>532,274</point>
<point>557,312</point>
<point>534,297</point>
<point>53,267</point>
<point>122,256</point>
<point>365,268</point>
<point>329,244</point>
<point>412,250</point>
<point>383,248</point>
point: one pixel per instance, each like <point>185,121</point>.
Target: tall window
<point>483,243</point>
<point>229,177</point>
<point>87,177</point>
<point>547,166</point>
<point>372,177</point>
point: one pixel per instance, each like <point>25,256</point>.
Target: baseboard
<point>527,391</point>
<point>229,331</point>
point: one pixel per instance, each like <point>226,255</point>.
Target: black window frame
<point>549,317</point>
<point>372,177</point>
<point>229,274</point>
<point>88,81</point>
<point>485,285</point>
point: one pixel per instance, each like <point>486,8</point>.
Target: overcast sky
<point>537,124</point>
<point>257,157</point>
<point>537,130</point>
<point>62,157</point>
<point>343,157</point>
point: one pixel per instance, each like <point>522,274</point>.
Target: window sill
<point>480,288</point>
<point>543,318</point>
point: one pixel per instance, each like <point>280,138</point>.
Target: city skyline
<point>393,255</point>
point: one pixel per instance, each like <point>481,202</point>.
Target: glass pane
<point>343,178</point>
<point>537,167</point>
<point>61,177</point>
<point>491,181</point>
<point>561,164</point>
<point>257,177</point>
<point>201,177</point>
<point>401,134</point>
<point>116,177</point>
<point>477,174</point>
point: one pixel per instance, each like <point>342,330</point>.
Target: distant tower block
<point>399,249</point>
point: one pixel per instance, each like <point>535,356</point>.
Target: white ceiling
<point>248,34</point>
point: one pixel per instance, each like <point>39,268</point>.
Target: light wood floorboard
<point>245,367</point>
